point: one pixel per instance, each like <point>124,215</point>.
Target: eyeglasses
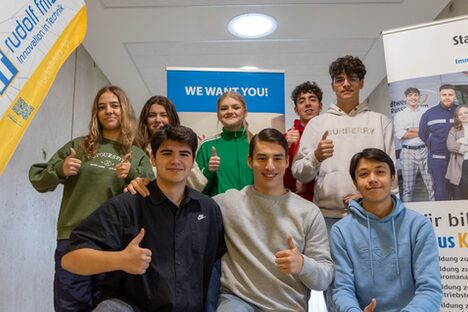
<point>340,80</point>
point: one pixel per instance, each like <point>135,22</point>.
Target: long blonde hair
<point>90,144</point>
<point>238,97</point>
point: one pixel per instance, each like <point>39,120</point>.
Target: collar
<point>232,135</point>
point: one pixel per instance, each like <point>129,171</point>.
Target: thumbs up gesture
<point>291,260</point>
<point>324,149</point>
<point>371,306</point>
<point>292,136</point>
<point>71,165</point>
<point>214,162</point>
<point>135,259</point>
<point>122,169</point>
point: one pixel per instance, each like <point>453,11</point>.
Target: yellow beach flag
<point>36,38</point>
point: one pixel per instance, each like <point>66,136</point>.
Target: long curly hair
<point>90,144</point>
<point>143,136</point>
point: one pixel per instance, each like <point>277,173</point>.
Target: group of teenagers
<point>242,222</point>
<point>434,142</point>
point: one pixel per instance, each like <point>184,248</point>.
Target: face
<point>231,113</point>
<point>109,112</point>
<point>157,117</point>
<point>173,161</point>
<point>307,107</point>
<point>374,181</point>
<point>412,99</point>
<point>269,163</point>
<point>463,114</point>
<point>347,87</point>
<point>447,97</point>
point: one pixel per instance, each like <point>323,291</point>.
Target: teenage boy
<point>385,254</point>
<point>413,154</point>
<point>307,98</point>
<point>331,139</point>
<point>157,251</point>
<point>434,127</point>
<point>276,240</point>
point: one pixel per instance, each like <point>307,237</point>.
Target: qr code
<point>23,109</point>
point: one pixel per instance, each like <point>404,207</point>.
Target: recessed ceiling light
<point>249,67</point>
<point>252,25</point>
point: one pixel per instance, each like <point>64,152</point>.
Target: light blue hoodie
<point>393,259</point>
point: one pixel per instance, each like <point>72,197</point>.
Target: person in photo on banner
<point>434,127</point>
<point>223,161</point>
<point>413,156</point>
<point>307,98</point>
<point>457,145</point>
<point>157,251</point>
<point>277,243</point>
<point>385,255</point>
<point>157,112</point>
<point>92,169</point>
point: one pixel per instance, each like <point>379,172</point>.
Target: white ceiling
<point>133,41</point>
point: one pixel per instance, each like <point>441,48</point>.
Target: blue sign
<point>198,90</point>
<point>8,72</point>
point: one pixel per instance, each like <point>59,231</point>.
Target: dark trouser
<point>73,292</point>
<point>214,288</point>
<point>438,169</point>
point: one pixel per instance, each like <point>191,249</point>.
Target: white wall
<point>28,218</point>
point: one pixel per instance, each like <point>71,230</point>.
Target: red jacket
<point>289,180</point>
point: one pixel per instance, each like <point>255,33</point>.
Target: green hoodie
<point>233,172</point>
<point>94,184</point>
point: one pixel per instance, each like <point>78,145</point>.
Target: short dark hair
<point>350,65</point>
<point>269,135</point>
<point>306,87</point>
<point>179,134</point>
<point>412,90</point>
<point>373,154</point>
<point>447,86</point>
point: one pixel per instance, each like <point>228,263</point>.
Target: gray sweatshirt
<point>256,227</point>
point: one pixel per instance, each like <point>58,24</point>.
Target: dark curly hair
<point>350,65</point>
<point>306,87</point>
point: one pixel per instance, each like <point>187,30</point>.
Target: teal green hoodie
<point>94,184</point>
<point>233,172</point>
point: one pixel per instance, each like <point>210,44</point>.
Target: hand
<point>136,260</point>
<point>348,197</point>
<point>71,165</point>
<point>290,260</point>
<point>138,185</point>
<point>324,149</point>
<point>201,138</point>
<point>213,164</point>
<point>292,136</point>
<point>371,306</point>
<point>122,169</point>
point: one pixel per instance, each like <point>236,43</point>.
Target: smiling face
<point>347,88</point>
<point>173,161</point>
<point>109,114</point>
<point>374,182</point>
<point>412,99</point>
<point>231,113</point>
<point>462,114</point>
<point>157,117</point>
<point>307,107</point>
<point>268,162</point>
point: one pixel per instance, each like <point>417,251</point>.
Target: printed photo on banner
<point>429,120</point>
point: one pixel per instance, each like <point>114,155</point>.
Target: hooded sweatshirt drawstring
<point>371,247</point>
<point>395,242</point>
